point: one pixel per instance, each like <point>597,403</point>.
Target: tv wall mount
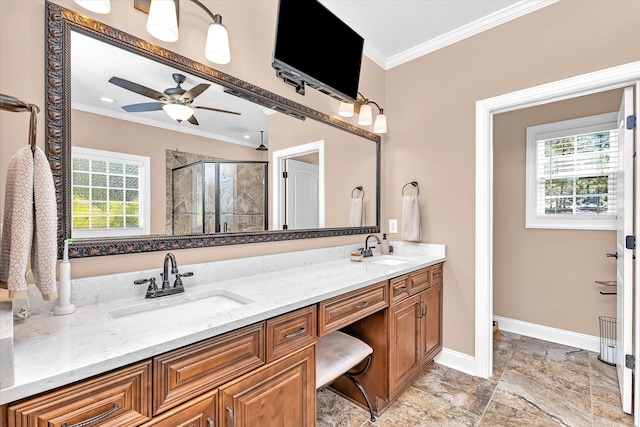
<point>291,78</point>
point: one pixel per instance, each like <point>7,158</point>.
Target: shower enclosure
<point>219,196</point>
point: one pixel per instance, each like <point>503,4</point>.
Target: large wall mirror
<point>133,179</point>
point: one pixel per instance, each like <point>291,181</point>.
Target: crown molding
<point>490,21</point>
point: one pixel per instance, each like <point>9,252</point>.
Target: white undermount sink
<point>183,306</point>
<point>391,259</point>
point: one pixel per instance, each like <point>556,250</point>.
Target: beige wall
<point>430,103</point>
<point>546,276</point>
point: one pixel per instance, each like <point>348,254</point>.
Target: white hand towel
<point>30,225</point>
<point>356,212</point>
<point>411,221</point>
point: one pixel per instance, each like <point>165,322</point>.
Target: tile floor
<point>534,383</point>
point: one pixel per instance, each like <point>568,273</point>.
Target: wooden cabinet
<point>201,411</point>
<point>404,338</point>
<point>117,399</point>
<point>290,332</point>
<point>185,373</point>
<point>280,394</point>
<point>338,312</point>
<point>431,324</point>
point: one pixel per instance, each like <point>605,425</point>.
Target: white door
<point>625,256</point>
<point>302,207</point>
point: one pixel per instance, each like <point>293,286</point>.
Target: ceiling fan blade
<point>216,109</point>
<point>139,89</point>
<point>194,91</point>
<point>145,106</point>
<point>193,120</point>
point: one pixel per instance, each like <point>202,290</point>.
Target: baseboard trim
<point>465,363</point>
<point>456,360</point>
<point>559,336</point>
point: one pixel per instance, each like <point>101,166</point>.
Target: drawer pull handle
<point>363,305</point>
<point>401,289</point>
<point>230,416</point>
<point>210,421</point>
<point>97,418</point>
<point>296,334</point>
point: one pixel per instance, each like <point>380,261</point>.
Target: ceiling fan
<point>175,101</point>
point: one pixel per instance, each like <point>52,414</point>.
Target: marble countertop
<point>51,351</point>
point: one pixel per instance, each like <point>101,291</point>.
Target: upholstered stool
<point>336,354</point>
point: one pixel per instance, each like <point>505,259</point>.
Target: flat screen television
<point>314,47</point>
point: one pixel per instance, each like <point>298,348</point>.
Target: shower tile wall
<point>242,197</point>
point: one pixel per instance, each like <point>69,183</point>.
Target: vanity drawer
<point>436,274</point>
<point>419,280</point>
<point>399,287</point>
<point>185,373</point>
<point>120,398</point>
<point>290,332</point>
<point>343,310</point>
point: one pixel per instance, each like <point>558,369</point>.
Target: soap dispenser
<point>384,246</point>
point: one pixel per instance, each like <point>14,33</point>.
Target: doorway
<point>612,78</point>
<point>282,203</point>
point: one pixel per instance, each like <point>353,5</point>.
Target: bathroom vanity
<point>125,363</point>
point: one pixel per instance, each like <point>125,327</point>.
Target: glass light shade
<point>365,117</point>
<point>162,22</point>
<point>178,112</point>
<point>345,109</point>
<point>97,6</point>
<point>217,47</point>
<point>380,125</point>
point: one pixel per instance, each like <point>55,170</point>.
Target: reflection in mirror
<point>127,123</point>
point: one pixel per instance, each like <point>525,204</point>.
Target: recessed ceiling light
<point>247,137</point>
<point>107,99</point>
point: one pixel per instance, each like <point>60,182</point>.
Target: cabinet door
<point>404,355</point>
<point>280,394</point>
<point>431,335</point>
<point>198,412</point>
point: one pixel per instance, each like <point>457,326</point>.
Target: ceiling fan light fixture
<point>97,6</point>
<point>345,109</point>
<point>216,48</point>
<point>162,22</point>
<point>178,112</point>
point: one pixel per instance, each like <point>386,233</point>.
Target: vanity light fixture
<point>97,6</point>
<point>362,107</point>
<point>162,24</point>
<point>261,147</point>
<point>178,111</point>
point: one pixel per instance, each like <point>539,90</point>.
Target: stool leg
<point>350,375</point>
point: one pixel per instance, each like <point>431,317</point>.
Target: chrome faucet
<point>165,269</point>
<point>153,291</point>
<point>366,251</point>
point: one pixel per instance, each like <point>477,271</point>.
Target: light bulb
<point>97,6</point>
<point>162,22</point>
<point>365,116</point>
<point>345,109</point>
<point>217,46</point>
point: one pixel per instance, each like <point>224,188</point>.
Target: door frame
<point>586,84</point>
<point>278,158</point>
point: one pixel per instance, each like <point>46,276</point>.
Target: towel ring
<point>359,187</point>
<point>415,184</point>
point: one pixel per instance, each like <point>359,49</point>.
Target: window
<point>571,174</point>
<point>110,193</point>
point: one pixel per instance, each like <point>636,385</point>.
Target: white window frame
<point>144,162</point>
<point>583,125</point>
